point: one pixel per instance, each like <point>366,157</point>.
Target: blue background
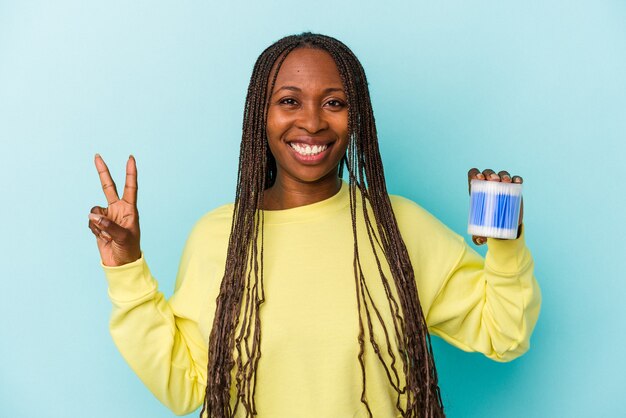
<point>535,87</point>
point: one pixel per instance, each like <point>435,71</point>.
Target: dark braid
<point>235,341</point>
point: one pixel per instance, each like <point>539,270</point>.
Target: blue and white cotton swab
<point>494,209</point>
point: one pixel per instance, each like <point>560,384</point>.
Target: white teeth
<point>307,149</point>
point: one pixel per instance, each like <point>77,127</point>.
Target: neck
<point>289,193</point>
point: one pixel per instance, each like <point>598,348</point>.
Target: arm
<point>164,347</point>
<point>165,342</point>
<point>160,340</point>
<point>488,305</point>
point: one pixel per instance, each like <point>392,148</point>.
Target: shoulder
<point>214,224</point>
<point>202,262</point>
<point>218,215</point>
<point>407,210</point>
<point>417,223</point>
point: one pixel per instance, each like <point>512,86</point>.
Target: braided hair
<point>235,339</point>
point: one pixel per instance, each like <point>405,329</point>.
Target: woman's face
<point>307,120</point>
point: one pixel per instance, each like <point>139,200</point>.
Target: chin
<point>312,177</point>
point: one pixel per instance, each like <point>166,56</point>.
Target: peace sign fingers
<point>130,188</point>
<point>117,226</point>
<point>108,185</point>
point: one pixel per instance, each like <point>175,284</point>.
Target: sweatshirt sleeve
<point>163,347</point>
<point>488,305</point>
<point>165,342</point>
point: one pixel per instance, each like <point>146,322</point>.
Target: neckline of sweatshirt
<point>310,212</point>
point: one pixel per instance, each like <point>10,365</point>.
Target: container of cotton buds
<point>494,209</point>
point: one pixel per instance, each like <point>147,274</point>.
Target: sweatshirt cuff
<point>507,255</point>
<point>130,281</point>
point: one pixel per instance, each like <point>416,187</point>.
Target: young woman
<point>311,296</point>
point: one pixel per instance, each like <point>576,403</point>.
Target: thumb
<point>96,231</point>
<point>117,233</point>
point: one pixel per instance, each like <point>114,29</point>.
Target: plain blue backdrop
<point>535,87</point>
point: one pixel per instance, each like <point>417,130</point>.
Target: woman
<point>312,296</point>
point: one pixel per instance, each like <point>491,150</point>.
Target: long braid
<point>235,340</point>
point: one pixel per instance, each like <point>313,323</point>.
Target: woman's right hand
<point>116,227</point>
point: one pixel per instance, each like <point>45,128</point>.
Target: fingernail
<point>94,217</point>
<point>98,156</point>
<point>494,176</point>
<point>480,176</point>
<point>106,235</point>
<point>505,177</point>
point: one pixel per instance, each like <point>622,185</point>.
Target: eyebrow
<point>298,89</point>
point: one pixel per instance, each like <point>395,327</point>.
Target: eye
<point>336,104</point>
<point>288,101</point>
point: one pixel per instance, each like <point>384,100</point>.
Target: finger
<point>94,229</point>
<point>98,210</point>
<point>518,179</point>
<point>130,188</point>
<point>505,176</point>
<point>99,233</point>
<point>479,240</point>
<point>490,175</point>
<point>103,235</point>
<point>113,230</point>
<point>472,174</point>
<point>108,185</point>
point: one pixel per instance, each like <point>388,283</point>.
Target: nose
<point>311,118</point>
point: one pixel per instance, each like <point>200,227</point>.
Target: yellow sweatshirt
<point>309,366</point>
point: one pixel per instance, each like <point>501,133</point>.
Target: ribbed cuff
<point>506,255</point>
<point>130,281</point>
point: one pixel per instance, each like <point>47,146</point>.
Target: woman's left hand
<point>490,175</point>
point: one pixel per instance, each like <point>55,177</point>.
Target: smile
<point>308,150</point>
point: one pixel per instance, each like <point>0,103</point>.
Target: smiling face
<point>307,120</point>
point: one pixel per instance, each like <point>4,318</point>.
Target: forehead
<point>308,67</point>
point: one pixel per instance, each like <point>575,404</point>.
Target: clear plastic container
<point>494,209</point>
